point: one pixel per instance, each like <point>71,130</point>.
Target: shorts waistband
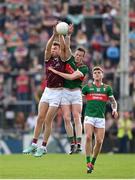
<point>75,89</point>
<point>58,88</point>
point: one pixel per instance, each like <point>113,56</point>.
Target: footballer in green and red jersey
<point>97,98</point>
<point>97,95</point>
<point>75,72</point>
<point>71,67</point>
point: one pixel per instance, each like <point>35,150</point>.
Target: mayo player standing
<point>97,94</point>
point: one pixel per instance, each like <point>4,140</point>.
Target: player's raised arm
<point>49,45</point>
<point>62,47</point>
<point>68,51</point>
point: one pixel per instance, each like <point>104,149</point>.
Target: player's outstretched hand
<point>54,29</point>
<point>115,114</point>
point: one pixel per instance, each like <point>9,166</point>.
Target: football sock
<point>71,140</point>
<point>78,139</point>
<point>93,160</point>
<point>44,143</point>
<point>88,159</point>
<point>34,141</point>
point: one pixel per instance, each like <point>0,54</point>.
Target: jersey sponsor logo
<point>97,96</point>
<point>91,89</point>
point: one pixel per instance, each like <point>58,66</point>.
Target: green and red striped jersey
<point>72,67</point>
<point>97,98</point>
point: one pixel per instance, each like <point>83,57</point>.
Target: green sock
<point>78,140</point>
<point>71,139</point>
<point>93,160</point>
<point>88,159</point>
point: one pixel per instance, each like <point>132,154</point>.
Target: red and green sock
<point>71,140</point>
<point>90,160</point>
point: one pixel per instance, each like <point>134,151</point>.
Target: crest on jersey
<point>98,89</point>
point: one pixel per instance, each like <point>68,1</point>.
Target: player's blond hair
<point>97,68</point>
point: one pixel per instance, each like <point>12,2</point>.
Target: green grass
<point>63,166</point>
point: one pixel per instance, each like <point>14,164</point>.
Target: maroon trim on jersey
<point>96,96</point>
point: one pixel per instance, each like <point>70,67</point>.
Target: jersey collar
<point>96,85</point>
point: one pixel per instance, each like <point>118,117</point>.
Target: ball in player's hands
<point>62,28</point>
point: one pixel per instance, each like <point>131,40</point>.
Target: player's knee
<point>99,141</point>
<point>88,138</point>
<point>76,116</point>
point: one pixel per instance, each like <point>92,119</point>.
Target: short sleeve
<point>85,89</point>
<point>84,70</point>
<point>109,91</point>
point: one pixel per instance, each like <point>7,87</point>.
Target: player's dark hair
<point>81,49</point>
<point>56,43</point>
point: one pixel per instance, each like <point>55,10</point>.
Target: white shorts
<point>71,97</point>
<point>96,122</point>
<point>52,96</point>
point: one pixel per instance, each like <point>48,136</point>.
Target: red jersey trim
<point>96,96</point>
<point>70,70</point>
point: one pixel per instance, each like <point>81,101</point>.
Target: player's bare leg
<point>42,110</point>
<point>99,136</point>
<point>66,110</point>
<point>76,111</point>
<point>51,113</point>
<point>89,129</point>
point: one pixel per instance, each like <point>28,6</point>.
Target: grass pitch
<point>63,166</point>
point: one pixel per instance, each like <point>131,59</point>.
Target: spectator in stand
<point>81,39</point>
<point>31,122</point>
<point>22,83</point>
<point>97,40</point>
<point>132,17</point>
<point>20,121</point>
<point>113,53</point>
<point>124,132</point>
<point>21,51</point>
<point>132,38</point>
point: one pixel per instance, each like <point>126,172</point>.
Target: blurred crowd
<point>26,26</point>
